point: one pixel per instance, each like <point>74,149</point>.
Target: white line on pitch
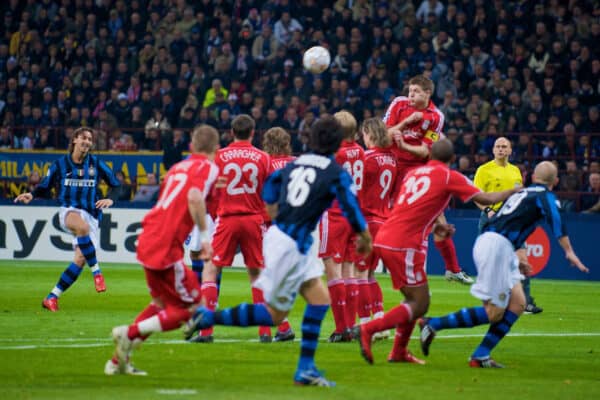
<point>102,342</point>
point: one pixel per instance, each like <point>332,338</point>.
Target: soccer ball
<point>316,59</point>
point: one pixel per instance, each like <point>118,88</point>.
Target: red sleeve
<point>392,115</point>
<point>461,186</point>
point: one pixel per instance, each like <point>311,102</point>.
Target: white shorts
<point>497,269</point>
<point>87,217</point>
<point>193,240</point>
<point>286,269</point>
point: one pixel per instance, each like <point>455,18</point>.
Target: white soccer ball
<point>316,59</point>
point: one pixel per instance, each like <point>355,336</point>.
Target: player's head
<point>326,135</point>
<point>348,123</point>
<point>82,140</point>
<point>276,141</point>
<point>420,89</point>
<point>242,127</point>
<point>205,139</point>
<point>443,150</point>
<point>375,133</point>
<point>545,173</point>
<point>502,149</point>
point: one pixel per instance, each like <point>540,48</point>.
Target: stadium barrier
<point>33,233</point>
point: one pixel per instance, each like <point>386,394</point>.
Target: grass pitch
<point>553,355</point>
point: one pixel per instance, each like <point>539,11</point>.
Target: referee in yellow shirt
<point>495,176</point>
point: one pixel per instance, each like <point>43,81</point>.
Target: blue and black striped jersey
<point>77,184</point>
<point>524,211</point>
<point>305,188</point>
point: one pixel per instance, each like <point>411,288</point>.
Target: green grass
<point>61,356</point>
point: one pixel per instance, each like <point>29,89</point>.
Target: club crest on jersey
<point>91,171</point>
<point>425,125</point>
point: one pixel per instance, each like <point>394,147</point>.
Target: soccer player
<point>77,176</point>
<point>296,196</point>
<point>240,220</point>
<point>498,282</point>
<point>416,123</point>
<point>337,245</point>
<point>402,243</point>
<point>376,205</point>
<point>496,175</point>
<point>277,144</point>
<point>173,286</point>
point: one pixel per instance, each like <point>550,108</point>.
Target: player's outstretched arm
<point>24,198</point>
<point>493,197</point>
<point>104,203</point>
<point>565,243</point>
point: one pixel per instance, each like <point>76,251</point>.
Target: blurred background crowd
<point>144,72</point>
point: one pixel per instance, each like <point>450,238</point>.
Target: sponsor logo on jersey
<point>538,250</point>
<point>79,182</point>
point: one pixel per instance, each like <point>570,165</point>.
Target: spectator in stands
<point>147,191</point>
<point>211,94</point>
<point>121,192</point>
<point>592,195</point>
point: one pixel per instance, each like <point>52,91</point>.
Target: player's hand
<point>364,244</point>
<point>206,252</point>
<point>414,117</point>
<point>24,198</point>
<point>525,267</point>
<point>444,230</point>
<point>491,213</point>
<point>575,262</point>
<point>104,203</point>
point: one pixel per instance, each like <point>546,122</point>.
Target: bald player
<point>495,176</point>
<point>498,282</point>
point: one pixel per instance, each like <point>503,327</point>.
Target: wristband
<point>204,237</point>
<point>487,210</point>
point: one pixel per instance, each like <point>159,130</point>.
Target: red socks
<point>337,292</point>
<point>210,293</point>
<point>448,252</point>
<point>402,337</point>
<point>376,297</point>
<point>351,301</point>
<point>399,315</point>
<point>364,299</point>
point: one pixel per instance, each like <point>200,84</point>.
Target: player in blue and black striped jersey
<point>498,268</point>
<point>296,196</point>
<point>76,177</point>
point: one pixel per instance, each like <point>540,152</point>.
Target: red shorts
<point>370,263</point>
<point>175,286</point>
<point>406,266</point>
<point>337,238</point>
<point>232,231</point>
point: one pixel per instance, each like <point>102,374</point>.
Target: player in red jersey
<point>416,123</point>
<point>376,205</point>
<point>277,144</point>
<point>240,220</point>
<point>402,243</point>
<point>173,286</point>
<point>337,239</point>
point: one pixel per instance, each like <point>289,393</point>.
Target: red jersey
<point>350,156</point>
<point>280,161</point>
<point>380,174</point>
<point>277,162</point>
<point>424,194</point>
<point>168,224</point>
<point>246,169</point>
<point>428,130</point>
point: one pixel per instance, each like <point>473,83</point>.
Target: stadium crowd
<point>144,72</point>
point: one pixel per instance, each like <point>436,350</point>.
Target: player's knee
<point>494,313</point>
<point>518,306</point>
<point>79,259</point>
